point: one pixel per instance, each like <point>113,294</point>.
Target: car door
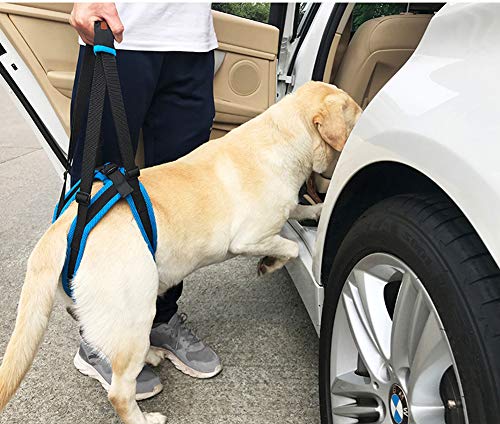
<point>38,54</point>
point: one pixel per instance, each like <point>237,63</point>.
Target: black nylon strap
<point>142,209</point>
<point>92,138</point>
<point>97,206</point>
<point>118,110</point>
<point>124,142</point>
<point>62,201</point>
<point>81,99</point>
<point>77,114</point>
<point>92,211</point>
<point>104,79</point>
<point>118,179</point>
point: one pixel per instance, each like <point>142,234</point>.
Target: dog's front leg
<point>302,212</point>
<point>276,249</point>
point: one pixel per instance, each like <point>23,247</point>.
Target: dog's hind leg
<point>115,301</point>
<point>126,367</point>
<point>155,357</point>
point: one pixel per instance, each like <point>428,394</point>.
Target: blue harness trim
<point>104,49</point>
<point>70,197</point>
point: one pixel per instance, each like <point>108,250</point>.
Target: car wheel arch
<point>369,185</point>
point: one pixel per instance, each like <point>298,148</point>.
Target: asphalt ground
<point>258,326</point>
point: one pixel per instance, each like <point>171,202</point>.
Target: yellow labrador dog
<point>229,197</point>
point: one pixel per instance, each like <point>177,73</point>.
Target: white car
<point>400,275</point>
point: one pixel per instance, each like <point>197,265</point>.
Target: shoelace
<point>93,358</point>
<point>188,335</point>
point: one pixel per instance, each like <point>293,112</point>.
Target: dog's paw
<point>154,357</point>
<point>317,210</point>
<point>265,265</point>
<point>269,264</point>
<point>155,418</point>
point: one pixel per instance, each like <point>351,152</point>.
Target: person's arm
<point>84,15</point>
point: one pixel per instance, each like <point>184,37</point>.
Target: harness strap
<point>101,203</point>
<point>77,253</point>
<point>77,113</point>
<point>92,139</point>
<point>99,75</point>
<point>123,135</point>
<point>119,181</point>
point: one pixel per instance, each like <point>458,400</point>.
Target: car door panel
<point>244,85</point>
<point>48,45</point>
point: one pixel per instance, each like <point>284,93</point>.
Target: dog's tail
<point>35,305</point>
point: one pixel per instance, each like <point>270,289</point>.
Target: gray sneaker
<point>90,363</point>
<point>186,351</point>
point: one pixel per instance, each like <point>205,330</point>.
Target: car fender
<point>440,116</point>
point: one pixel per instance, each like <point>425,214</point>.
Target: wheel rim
<point>389,349</point>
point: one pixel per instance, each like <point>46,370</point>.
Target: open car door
<point>39,50</point>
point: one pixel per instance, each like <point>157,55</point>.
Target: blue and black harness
<point>99,76</point>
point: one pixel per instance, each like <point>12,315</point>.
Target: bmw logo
<point>398,405</point>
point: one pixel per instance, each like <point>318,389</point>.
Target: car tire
<point>432,236</point>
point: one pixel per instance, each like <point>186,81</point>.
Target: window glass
<point>303,10</point>
<point>363,12</point>
<point>255,11</point>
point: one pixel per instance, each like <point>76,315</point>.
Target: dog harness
<point>99,76</point>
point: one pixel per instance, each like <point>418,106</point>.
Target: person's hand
<point>84,15</point>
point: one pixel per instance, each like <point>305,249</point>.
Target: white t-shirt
<point>186,27</point>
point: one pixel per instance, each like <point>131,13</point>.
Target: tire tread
<point>459,254</point>
<point>478,273</point>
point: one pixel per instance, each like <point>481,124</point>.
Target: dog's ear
<point>336,118</point>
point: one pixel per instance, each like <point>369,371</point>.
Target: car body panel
<point>300,270</point>
<point>438,115</point>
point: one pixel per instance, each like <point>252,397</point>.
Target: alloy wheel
<point>391,361</point>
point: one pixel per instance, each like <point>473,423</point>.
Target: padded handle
<point>103,35</point>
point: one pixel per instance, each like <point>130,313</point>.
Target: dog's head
<point>332,114</point>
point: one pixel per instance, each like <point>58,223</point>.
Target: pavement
<point>258,326</point>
